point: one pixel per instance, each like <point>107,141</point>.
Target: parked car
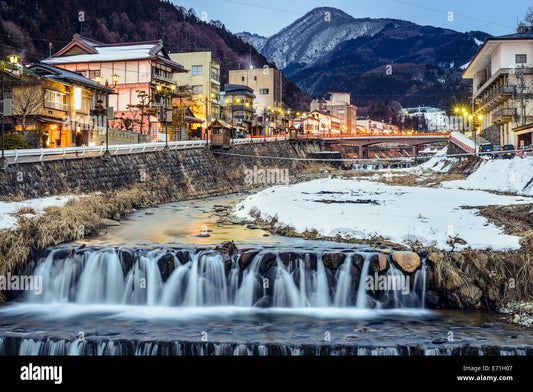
<point>527,151</point>
<point>495,151</point>
<point>508,151</point>
<point>486,149</point>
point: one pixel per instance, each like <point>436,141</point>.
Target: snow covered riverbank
<point>362,209</point>
<point>502,175</point>
<point>32,207</point>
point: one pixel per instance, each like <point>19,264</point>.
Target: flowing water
<point>153,287</point>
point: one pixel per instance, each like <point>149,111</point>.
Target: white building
<point>502,76</point>
<point>435,118</point>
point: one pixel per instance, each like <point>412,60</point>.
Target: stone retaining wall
<point>199,171</point>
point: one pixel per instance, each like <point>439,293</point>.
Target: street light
<point>13,59</point>
<point>114,79</point>
<point>172,88</point>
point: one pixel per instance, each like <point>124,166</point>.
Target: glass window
<point>197,89</point>
<point>521,58</point>
<point>264,91</point>
<point>94,74</point>
<point>197,69</point>
<point>55,100</point>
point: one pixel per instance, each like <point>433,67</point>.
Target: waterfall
<point>246,293</point>
<point>212,278</point>
<point>322,289</point>
<point>344,281</point>
<point>361,292</point>
<point>286,293</point>
<point>123,347</point>
<point>420,283</point>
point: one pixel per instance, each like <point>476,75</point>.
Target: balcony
<point>243,108</point>
<point>496,97</point>
<point>503,116</point>
<point>56,105</point>
<point>162,77</point>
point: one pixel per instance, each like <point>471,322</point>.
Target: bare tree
<point>528,20</point>
<point>28,101</point>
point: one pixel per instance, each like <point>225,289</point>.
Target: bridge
<point>363,142</point>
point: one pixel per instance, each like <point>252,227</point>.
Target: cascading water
<point>212,278</point>
<point>128,302</point>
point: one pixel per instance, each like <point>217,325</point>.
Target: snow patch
<point>7,209</point>
<point>400,214</point>
<point>502,175</point>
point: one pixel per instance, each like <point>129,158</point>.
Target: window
<point>255,77</point>
<point>55,100</point>
<point>197,69</point>
<point>242,78</point>
<point>197,89</point>
<point>264,91</point>
<point>521,58</point>
<point>215,75</point>
<point>93,74</point>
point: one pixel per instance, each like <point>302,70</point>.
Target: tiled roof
<point>53,72</point>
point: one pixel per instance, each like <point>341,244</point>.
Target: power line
<point>263,7</point>
<point>454,13</point>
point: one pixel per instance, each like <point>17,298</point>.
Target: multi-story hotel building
<point>140,66</point>
<point>502,75</point>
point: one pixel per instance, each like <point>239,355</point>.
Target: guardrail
<point>84,151</point>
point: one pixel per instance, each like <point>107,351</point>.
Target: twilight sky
<point>268,17</point>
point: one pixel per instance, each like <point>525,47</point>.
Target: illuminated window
<point>55,100</point>
<point>77,99</point>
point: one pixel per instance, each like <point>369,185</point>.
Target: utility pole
<point>522,94</point>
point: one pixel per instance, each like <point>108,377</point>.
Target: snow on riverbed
<point>363,209</point>
<point>503,175</point>
<point>439,162</point>
<point>7,209</point>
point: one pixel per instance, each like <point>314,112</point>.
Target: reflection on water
<point>191,223</point>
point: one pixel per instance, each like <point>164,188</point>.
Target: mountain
<point>315,34</point>
<point>257,41</point>
<point>329,50</point>
<point>28,27</point>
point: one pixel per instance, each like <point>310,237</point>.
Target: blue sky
<point>267,17</point>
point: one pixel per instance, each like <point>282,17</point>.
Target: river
<point>212,305</point>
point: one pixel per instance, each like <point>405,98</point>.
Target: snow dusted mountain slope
<point>257,41</point>
<point>314,35</point>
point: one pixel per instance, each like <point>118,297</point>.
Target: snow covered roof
<point>52,72</point>
<point>86,50</point>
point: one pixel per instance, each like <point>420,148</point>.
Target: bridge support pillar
<point>414,151</point>
<point>363,152</point>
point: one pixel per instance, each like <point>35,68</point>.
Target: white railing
<point>80,152</point>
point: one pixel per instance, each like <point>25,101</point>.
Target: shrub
<point>14,142</point>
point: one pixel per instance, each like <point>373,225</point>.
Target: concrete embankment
<point>128,182</point>
<point>193,172</point>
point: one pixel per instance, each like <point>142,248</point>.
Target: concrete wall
<point>194,172</point>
